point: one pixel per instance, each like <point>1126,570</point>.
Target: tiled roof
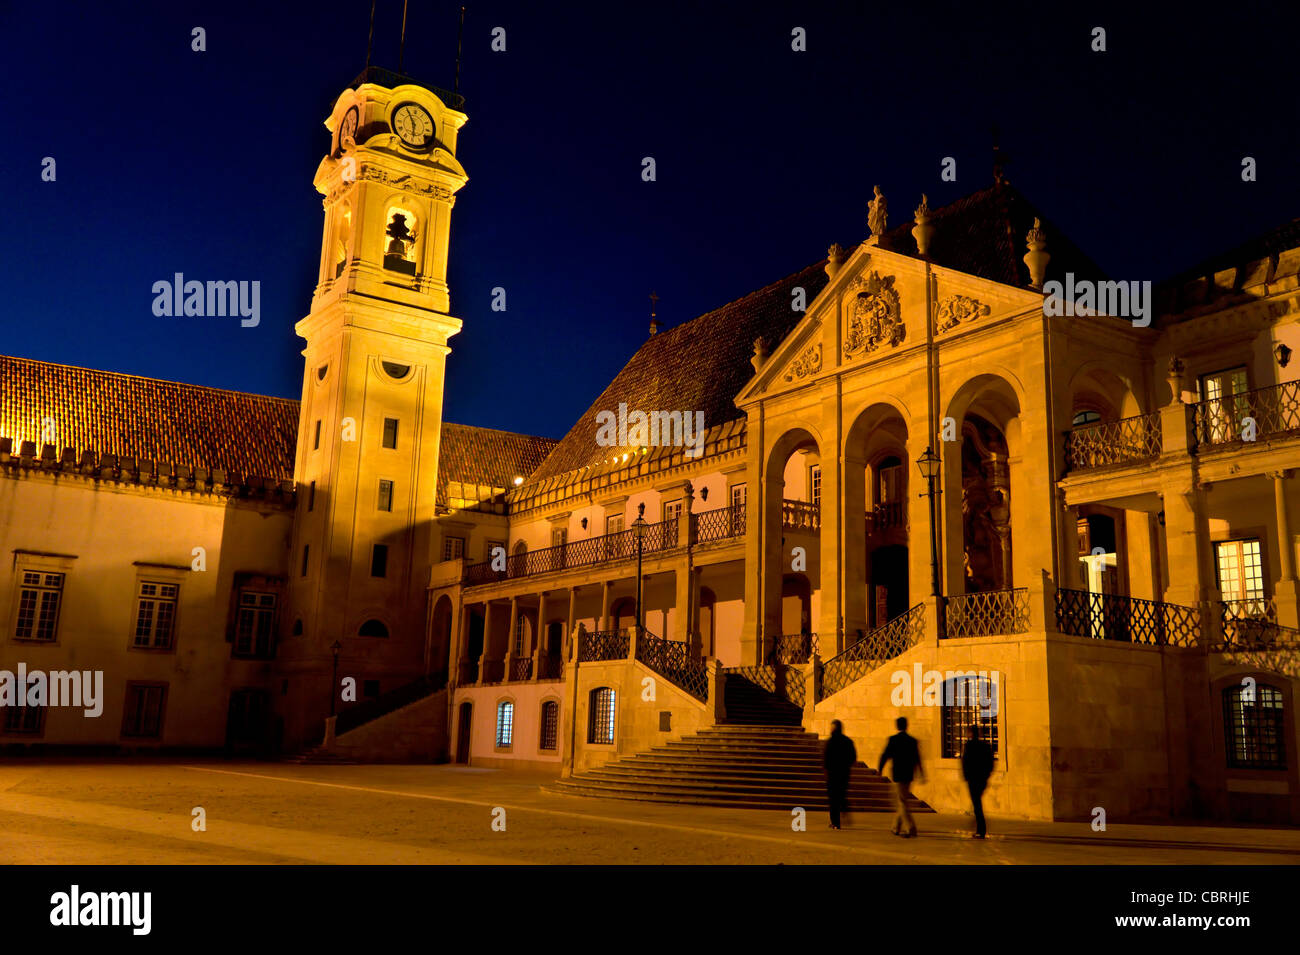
<point>163,421</point>
<point>485,456</point>
<point>984,234</point>
<point>700,365</point>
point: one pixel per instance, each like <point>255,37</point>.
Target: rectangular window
<point>255,625</point>
<point>306,552</point>
<point>491,550</point>
<point>142,716</point>
<point>520,630</point>
<point>453,548</point>
<point>962,707</point>
<point>737,495</point>
<point>39,600</point>
<point>815,485</point>
<point>155,616</point>
<point>370,689</point>
<point>385,495</point>
<point>24,720</point>
<point>891,482</point>
<point>379,561</point>
<point>614,524</point>
<point>505,724</point>
<point>550,725</point>
<point>1241,571</point>
<point>1226,404</point>
<point>600,724</point>
<point>390,432</point>
<point>316,442</point>
<point>672,510</point>
<point>1255,727</point>
<point>311,496</point>
<point>559,536</point>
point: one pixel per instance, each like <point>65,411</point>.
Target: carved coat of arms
<point>873,318</point>
<point>808,363</point>
<point>956,309</point>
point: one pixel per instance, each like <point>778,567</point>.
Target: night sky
<point>170,160</point>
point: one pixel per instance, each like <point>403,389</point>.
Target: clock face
<point>414,125</point>
<point>348,128</point>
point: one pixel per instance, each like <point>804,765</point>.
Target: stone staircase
<point>749,766</point>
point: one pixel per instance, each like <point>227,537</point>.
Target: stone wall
<point>416,733</point>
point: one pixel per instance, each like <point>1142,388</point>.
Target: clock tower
<point>371,414</point>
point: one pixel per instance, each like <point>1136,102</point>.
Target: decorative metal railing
<point>876,648</point>
<point>994,613</point>
<point>1251,624</point>
<point>604,645</point>
<point>1259,413</point>
<point>550,668</point>
<point>801,516</point>
<point>783,681</point>
<point>521,669</point>
<point>1109,443</point>
<point>1130,619</point>
<point>594,550</point>
<point>723,523</point>
<point>887,515</point>
<point>793,648</point>
<point>674,661</point>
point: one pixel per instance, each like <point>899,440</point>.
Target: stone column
<point>510,637</point>
<point>541,635</point>
<point>1187,543</point>
<point>461,656</point>
<point>1286,591</point>
<point>573,609</point>
<point>604,606</point>
<point>486,654</point>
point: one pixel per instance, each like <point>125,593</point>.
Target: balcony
<point>1128,619</point>
<point>801,516</point>
<point>709,526</point>
<point>1112,443</point>
<point>882,517</point>
<point>1262,413</point>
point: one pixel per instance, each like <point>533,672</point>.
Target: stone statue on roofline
<point>877,211</point>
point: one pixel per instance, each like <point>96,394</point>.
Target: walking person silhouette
<point>838,757</point>
<point>906,757</point>
<point>976,768</point>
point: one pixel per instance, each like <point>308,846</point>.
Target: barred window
<point>256,623</point>
<point>550,725</point>
<point>1254,727</point>
<point>390,432</point>
<point>453,548</point>
<point>600,727</point>
<point>505,723</point>
<point>142,715</point>
<point>961,709</point>
<point>379,561</point>
<point>155,616</point>
<point>385,495</point>
<point>39,601</point>
<point>24,720</point>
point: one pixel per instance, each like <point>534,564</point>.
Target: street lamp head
<point>928,463</point>
<point>337,647</point>
<point>639,525</point>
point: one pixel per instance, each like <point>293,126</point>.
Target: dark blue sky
<point>175,161</point>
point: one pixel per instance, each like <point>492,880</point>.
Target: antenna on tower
<point>460,34</point>
<point>370,41</point>
<point>401,51</point>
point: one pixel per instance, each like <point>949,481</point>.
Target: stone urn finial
<point>1037,258</point>
<point>1175,379</point>
<point>923,231</point>
<point>834,259</point>
<point>760,354</point>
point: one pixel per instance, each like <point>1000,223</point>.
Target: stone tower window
<point>399,248</point>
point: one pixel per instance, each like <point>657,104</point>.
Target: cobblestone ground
<point>141,812</point>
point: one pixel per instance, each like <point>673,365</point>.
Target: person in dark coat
<point>906,756</point>
<point>976,768</point>
<point>839,757</point>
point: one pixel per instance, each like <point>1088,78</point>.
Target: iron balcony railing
<point>793,648</point>
<point>1251,624</point>
<point>1251,414</point>
<point>1130,619</point>
<point>391,79</point>
<point>550,668</point>
<point>604,645</point>
<point>993,613</point>
<point>521,669</point>
<point>801,516</point>
<point>884,516</point>
<point>876,648</point>
<point>606,548</point>
<point>675,662</point>
<point>723,523</point>
<point>1110,443</point>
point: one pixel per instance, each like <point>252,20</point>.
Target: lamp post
<point>334,680</point>
<point>638,529</point>
<point>929,463</point>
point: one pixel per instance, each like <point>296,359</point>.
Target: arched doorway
<point>792,539</point>
<point>463,723</point>
<point>985,507</point>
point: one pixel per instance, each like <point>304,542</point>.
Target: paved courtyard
<point>83,812</point>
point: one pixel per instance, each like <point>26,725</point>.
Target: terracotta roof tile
<point>485,456</point>
<point>700,365</point>
<point>112,413</point>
